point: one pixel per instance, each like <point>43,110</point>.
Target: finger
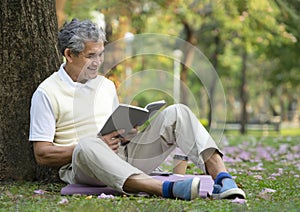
<point>106,138</point>
<point>130,135</point>
<point>116,133</point>
<point>114,147</point>
<point>114,141</point>
<point>133,131</point>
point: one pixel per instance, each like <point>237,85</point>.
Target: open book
<point>128,116</point>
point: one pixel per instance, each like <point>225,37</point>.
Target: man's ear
<point>68,55</point>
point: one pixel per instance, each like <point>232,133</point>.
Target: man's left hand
<point>126,139</point>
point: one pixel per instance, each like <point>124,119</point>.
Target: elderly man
<point>69,108</point>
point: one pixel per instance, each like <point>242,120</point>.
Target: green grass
<point>20,196</point>
<point>283,132</point>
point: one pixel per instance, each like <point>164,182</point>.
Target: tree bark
<point>212,88</point>
<point>244,94</point>
<point>28,34</point>
<point>187,60</point>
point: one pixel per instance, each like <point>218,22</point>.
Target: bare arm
<point>48,154</point>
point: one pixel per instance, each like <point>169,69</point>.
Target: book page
<point>155,105</point>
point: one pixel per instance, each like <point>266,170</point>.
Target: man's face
<point>86,65</point>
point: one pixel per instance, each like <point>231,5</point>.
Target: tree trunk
<point>244,94</point>
<point>28,34</point>
<point>213,84</point>
<point>187,60</point>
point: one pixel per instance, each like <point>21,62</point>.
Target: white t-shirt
<point>42,118</point>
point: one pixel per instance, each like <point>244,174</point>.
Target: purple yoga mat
<point>206,186</point>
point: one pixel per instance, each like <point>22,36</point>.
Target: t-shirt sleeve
<point>42,120</point>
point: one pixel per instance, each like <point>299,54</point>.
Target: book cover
<point>128,116</point>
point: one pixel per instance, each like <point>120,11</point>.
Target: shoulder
<point>41,91</point>
<point>105,82</point>
<point>105,79</point>
<point>50,80</point>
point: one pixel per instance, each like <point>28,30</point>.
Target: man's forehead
<point>93,47</point>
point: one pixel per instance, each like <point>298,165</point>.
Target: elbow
<point>40,159</point>
<point>42,152</point>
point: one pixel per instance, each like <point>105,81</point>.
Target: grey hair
<point>75,34</point>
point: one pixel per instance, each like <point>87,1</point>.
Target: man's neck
<point>73,76</point>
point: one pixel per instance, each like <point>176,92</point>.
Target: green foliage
<point>267,30</point>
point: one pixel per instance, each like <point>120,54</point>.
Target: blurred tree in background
<point>253,46</point>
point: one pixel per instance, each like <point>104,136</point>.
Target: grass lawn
<point>266,167</point>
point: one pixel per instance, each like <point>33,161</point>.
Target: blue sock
<point>221,176</point>
<point>167,189</point>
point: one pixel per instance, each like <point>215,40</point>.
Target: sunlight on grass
<point>283,132</point>
<point>290,132</point>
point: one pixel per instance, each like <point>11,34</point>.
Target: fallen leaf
<point>105,196</point>
<point>271,178</point>
<point>239,201</point>
<point>40,191</point>
<point>64,201</point>
<point>266,193</point>
<point>258,167</point>
<point>89,197</point>
<point>268,190</point>
<point>258,177</point>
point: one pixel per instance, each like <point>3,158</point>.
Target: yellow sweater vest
<point>81,111</point>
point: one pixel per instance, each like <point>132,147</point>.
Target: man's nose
<point>97,61</point>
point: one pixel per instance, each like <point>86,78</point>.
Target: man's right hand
<point>113,139</point>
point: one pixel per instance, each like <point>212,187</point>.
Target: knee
<point>177,113</point>
<point>177,106</point>
<point>180,110</point>
<point>86,145</point>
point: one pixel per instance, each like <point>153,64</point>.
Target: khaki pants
<point>95,163</point>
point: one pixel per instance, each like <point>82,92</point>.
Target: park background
<point>252,44</point>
